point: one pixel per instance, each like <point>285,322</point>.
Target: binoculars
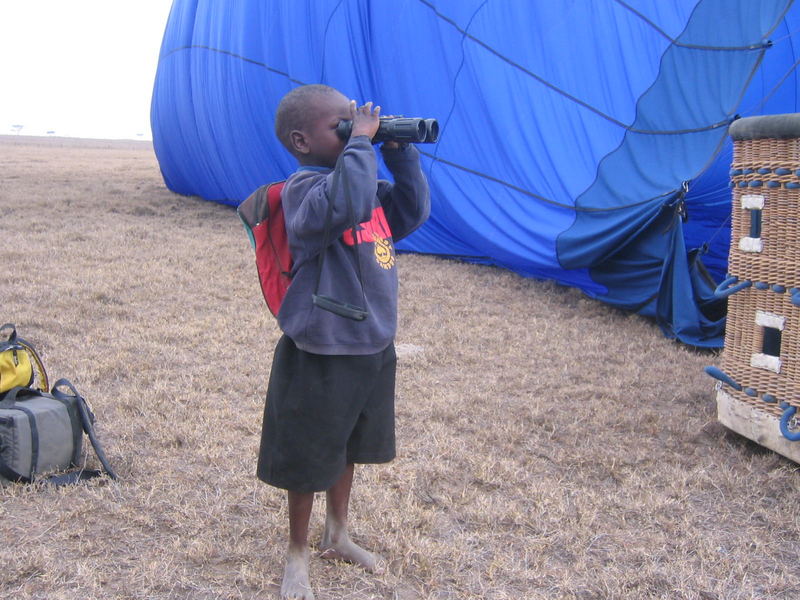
<point>398,129</point>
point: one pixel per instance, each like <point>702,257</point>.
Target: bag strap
<point>14,342</point>
<point>10,343</point>
<point>326,233</point>
<point>11,474</point>
<point>9,401</point>
<point>342,309</point>
<point>71,477</point>
<point>13,335</point>
<point>87,420</point>
<point>273,199</point>
<point>36,360</point>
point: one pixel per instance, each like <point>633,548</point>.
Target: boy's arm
<point>407,203</point>
<point>308,193</point>
<point>309,196</point>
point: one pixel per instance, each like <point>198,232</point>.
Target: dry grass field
<point>549,446</point>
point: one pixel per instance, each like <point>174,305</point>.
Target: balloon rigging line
<point>234,55</point>
<point>786,37</point>
<point>718,229</point>
<point>566,94</point>
<point>717,125</point>
<point>675,42</point>
<point>435,157</point>
<point>325,37</point>
<point>775,88</point>
<point>455,79</point>
<point>542,198</point>
<point>467,35</point>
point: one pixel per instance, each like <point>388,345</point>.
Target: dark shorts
<point>323,412</point>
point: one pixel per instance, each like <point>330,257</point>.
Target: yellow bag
<point>20,365</point>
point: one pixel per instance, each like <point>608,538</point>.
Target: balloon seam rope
<point>234,55</point>
<point>542,198</point>
<point>609,118</point>
<point>563,93</point>
<point>325,37</point>
<point>675,42</point>
<point>455,79</point>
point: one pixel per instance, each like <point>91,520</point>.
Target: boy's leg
<point>336,542</point>
<point>296,585</point>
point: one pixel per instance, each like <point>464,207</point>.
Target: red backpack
<point>262,216</point>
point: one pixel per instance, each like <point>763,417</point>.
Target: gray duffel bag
<point>42,433</point>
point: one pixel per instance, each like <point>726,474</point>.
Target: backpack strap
<point>343,309</point>
<point>277,227</point>
<point>12,337</point>
<point>43,383</point>
<point>263,219</point>
<point>14,342</point>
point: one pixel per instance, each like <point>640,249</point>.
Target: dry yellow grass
<point>549,446</point>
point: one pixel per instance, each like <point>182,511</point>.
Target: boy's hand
<point>391,144</point>
<point>365,120</point>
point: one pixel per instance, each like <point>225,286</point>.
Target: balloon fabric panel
<point>575,137</point>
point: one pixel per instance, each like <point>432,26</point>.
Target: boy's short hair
<point>296,109</point>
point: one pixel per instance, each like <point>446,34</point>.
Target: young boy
<point>330,401</point>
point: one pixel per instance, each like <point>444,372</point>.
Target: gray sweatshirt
<point>384,212</point>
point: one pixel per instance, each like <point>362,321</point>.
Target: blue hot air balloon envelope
<point>581,141</point>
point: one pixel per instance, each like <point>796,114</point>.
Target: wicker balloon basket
<point>758,391</point>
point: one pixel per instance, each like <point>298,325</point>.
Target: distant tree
<point>17,128</point>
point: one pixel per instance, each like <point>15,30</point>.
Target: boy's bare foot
<point>348,551</point>
<point>296,585</point>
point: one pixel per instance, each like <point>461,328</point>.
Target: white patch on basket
<point>748,244</point>
<point>765,361</point>
<point>752,201</point>
<point>768,319</point>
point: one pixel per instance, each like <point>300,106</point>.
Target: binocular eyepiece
<point>398,129</point>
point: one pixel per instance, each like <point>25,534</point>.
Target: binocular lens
<point>401,130</point>
<point>398,129</point>
<point>432,131</point>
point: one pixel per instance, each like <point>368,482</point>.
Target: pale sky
<point>79,68</point>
